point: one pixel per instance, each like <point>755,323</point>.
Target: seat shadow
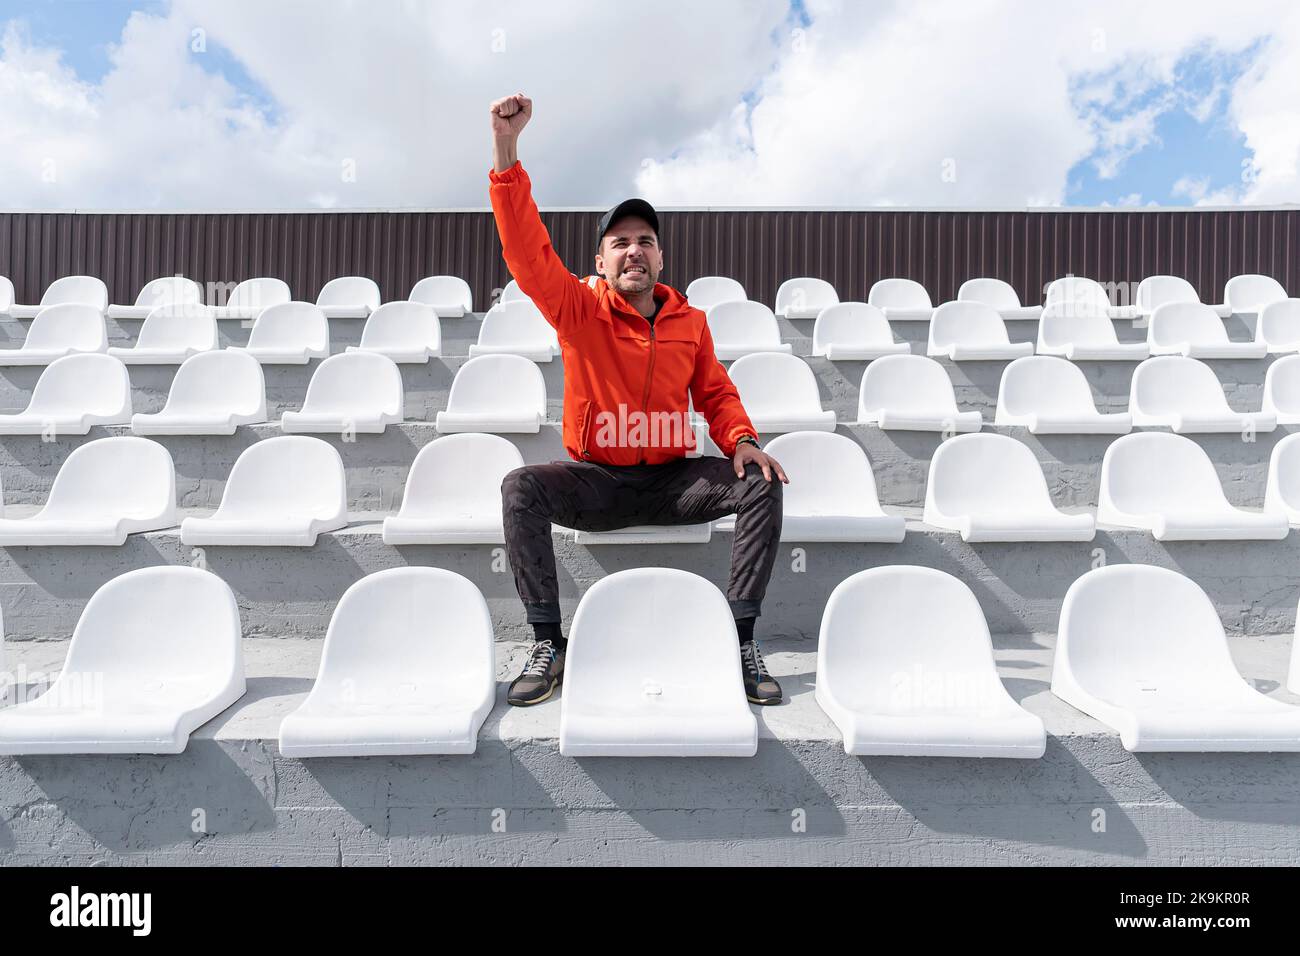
<point>130,803</point>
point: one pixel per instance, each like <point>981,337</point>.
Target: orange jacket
<point>625,383</point>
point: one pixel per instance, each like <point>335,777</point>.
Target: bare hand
<point>745,453</point>
<point>511,114</point>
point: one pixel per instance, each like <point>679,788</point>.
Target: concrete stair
<point>262,808</point>
<point>517,801</point>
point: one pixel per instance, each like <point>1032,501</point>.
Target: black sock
<point>745,629</point>
<point>550,631</point>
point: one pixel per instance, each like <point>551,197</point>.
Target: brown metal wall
<point>851,249</point>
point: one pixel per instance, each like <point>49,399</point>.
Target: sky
<point>250,104</point>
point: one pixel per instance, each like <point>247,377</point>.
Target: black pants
<point>587,496</point>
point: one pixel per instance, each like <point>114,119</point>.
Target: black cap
<point>628,207</point>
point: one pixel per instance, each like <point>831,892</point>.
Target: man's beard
<point>634,283</point>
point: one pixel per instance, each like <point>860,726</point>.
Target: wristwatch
<point>748,438</point>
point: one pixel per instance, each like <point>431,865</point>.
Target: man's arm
<point>525,243</point>
<point>716,398</point>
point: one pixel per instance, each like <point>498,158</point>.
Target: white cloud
<point>1197,189</point>
<point>1266,108</point>
<point>1014,93</point>
<point>399,89</point>
<point>950,102</point>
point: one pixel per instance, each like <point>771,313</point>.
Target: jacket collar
<point>673,301</point>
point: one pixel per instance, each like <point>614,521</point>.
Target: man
<point>633,351</point>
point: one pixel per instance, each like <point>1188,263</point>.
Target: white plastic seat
<point>1081,330</point>
<point>912,393</point>
<point>1184,395</point>
<point>57,331</point>
<point>990,487</point>
<point>406,332</point>
<point>905,668</point>
<point>902,300</point>
<point>70,290</point>
<point>512,293</point>
<point>105,490</point>
<point>160,293</point>
<point>1142,650</point>
<point>1293,675</point>
<point>6,295</point>
<point>1155,291</point>
<point>1050,396</point>
<point>170,335</point>
<point>1283,493</point>
<point>855,331</point>
<point>353,392</point>
<point>453,492</point>
<point>1282,390</point>
<point>282,491</point>
<point>832,492</point>
<point>972,331</point>
<point>1248,294</point>
<point>155,655</point>
<point>744,327</point>
<point>1277,327</point>
<point>407,668</point>
<point>804,298</point>
<point>450,297</point>
<point>249,298</point>
<point>72,395</point>
<point>290,333</point>
<point>516,328</point>
<point>348,297</point>
<point>213,393</point>
<point>707,291</point>
<point>1000,295</point>
<point>495,393</point>
<point>1193,329</point>
<point>646,534</point>
<point>779,392</point>
<point>653,670</point>
<point>1166,484</point>
<point>1084,295</point>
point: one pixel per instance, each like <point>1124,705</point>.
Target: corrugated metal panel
<point>761,248</point>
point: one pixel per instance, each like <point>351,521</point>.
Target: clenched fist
<point>510,115</point>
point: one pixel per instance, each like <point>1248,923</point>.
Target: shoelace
<point>753,659</point>
<point>543,653</point>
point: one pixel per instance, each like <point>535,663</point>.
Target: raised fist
<point>511,114</point>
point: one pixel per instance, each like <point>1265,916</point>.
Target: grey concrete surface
<point>231,799</point>
<point>517,801</point>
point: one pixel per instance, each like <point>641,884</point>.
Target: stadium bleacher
<point>890,506</point>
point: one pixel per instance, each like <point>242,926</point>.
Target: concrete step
<point>518,801</point>
<point>292,591</point>
<point>377,465</point>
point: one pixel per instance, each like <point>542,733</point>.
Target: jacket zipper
<point>584,430</point>
<point>649,374</point>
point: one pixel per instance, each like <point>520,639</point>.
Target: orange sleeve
<point>715,397</point>
<point>526,246</point>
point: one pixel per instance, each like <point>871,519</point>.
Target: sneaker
<point>760,686</point>
<point>540,676</point>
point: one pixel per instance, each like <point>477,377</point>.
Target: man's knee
<point>758,488</point>
<point>519,488</point>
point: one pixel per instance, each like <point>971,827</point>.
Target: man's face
<point>629,257</point>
